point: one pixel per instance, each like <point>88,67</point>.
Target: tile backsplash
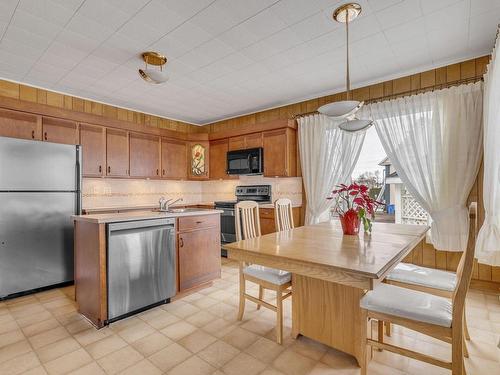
<point>100,192</point>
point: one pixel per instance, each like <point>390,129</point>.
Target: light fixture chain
<point>348,80</point>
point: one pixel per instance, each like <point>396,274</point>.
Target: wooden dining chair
<point>248,226</point>
<point>432,315</point>
<point>283,214</point>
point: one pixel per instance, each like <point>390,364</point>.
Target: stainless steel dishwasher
<point>141,265</point>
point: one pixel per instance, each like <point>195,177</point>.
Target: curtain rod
<point>407,93</point>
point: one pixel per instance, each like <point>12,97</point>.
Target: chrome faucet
<point>166,203</point>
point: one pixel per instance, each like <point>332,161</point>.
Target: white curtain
<point>488,240</point>
<point>434,141</point>
<point>328,156</point>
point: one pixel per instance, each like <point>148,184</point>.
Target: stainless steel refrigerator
<point>40,189</point>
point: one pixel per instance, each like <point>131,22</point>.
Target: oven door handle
<point>227,213</point>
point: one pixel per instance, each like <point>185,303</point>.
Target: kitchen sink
<point>180,210</point>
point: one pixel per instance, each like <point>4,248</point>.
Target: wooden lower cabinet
<point>198,251</point>
<point>198,261</point>
<point>266,216</point>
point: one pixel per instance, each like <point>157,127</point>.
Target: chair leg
<point>388,328</point>
<point>464,348</point>
<point>279,317</point>
<point>380,333</point>
<point>363,363</point>
<point>261,295</point>
<point>241,309</point>
<point>457,353</point>
<point>466,329</point>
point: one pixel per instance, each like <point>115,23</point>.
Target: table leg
<point>329,313</point>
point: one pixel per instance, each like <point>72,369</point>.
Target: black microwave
<point>250,161</point>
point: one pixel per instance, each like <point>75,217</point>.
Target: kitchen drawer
<point>197,222</point>
<point>267,213</point>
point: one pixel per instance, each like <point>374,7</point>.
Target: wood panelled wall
<point>484,276</point>
<point>54,99</point>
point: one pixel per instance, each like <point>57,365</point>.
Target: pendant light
<point>346,108</point>
<point>153,75</point>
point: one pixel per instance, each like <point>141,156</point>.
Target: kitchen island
<point>330,274</point>
<point>125,260</point>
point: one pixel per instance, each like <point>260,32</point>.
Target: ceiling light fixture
<point>153,75</point>
<point>346,108</point>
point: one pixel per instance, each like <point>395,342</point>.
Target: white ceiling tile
<point>483,6</point>
<point>19,49</point>
<point>158,17</point>
<point>187,9</point>
<point>89,28</point>
<point>240,36</point>
<point>51,11</point>
<point>170,47</point>
<point>128,6</point>
<point>37,25</point>
<point>377,5</point>
<point>104,13</point>
<point>408,30</point>
<point>215,18</point>
<point>7,8</point>
<point>292,11</point>
<point>190,35</point>
<point>77,41</point>
<point>136,30</point>
<point>264,24</point>
<point>399,13</point>
<point>26,38</point>
<point>430,6</point>
<point>314,26</point>
<point>283,40</point>
<point>454,16</point>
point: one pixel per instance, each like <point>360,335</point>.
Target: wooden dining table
<point>330,274</point>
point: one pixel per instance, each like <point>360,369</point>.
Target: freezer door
<point>33,165</point>
<point>36,240</point>
<point>141,266</point>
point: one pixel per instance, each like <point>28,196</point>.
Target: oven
<point>250,161</point>
<point>258,193</point>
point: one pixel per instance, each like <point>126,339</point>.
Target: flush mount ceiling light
<point>346,108</point>
<point>153,75</point>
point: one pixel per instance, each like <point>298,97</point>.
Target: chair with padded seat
<point>429,280</point>
<point>283,214</point>
<point>248,226</point>
<point>436,316</point>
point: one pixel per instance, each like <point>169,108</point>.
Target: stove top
<point>258,193</point>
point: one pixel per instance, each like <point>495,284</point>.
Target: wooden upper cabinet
<point>59,131</point>
<point>245,141</point>
<point>198,160</point>
<point>174,162</point>
<point>117,160</point>
<point>280,153</point>
<point>93,142</point>
<point>236,143</point>
<point>20,125</point>
<point>218,159</point>
<point>144,155</point>
<point>253,140</point>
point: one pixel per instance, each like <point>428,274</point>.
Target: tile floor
<point>199,335</point>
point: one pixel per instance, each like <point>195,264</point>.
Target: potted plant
<point>354,204</point>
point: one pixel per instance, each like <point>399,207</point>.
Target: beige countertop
<point>140,215</point>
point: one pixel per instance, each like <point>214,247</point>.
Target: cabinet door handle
<point>109,169</point>
<point>32,134</point>
<point>181,242</point>
<point>199,222</point>
<point>100,169</point>
<point>157,172</point>
<point>163,172</point>
<point>45,135</point>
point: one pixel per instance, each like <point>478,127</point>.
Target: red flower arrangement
<point>353,203</point>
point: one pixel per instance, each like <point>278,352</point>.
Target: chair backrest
<point>465,266</point>
<point>246,217</point>
<point>283,214</point>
